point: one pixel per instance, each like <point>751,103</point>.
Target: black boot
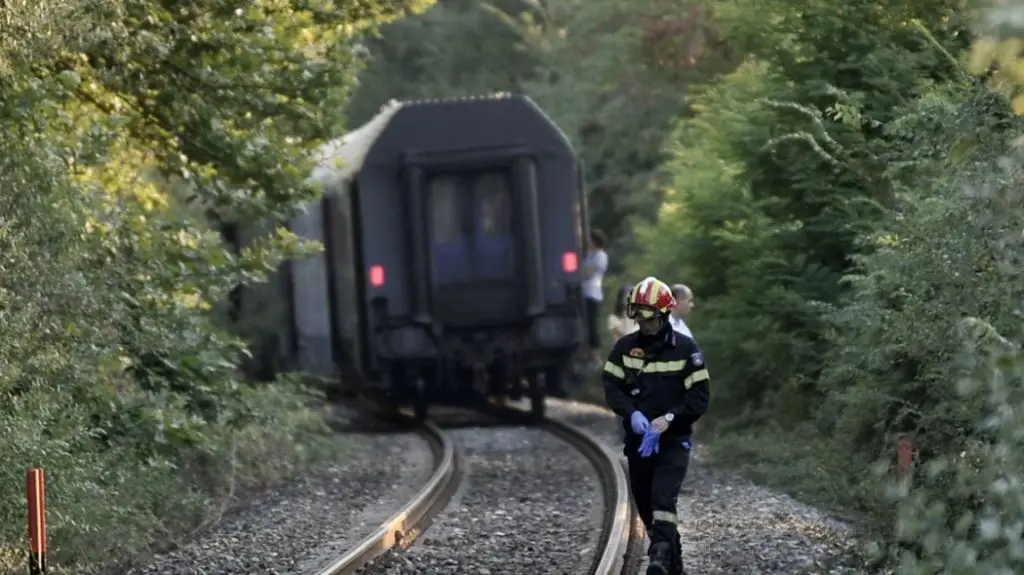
<point>677,561</point>
<point>661,559</point>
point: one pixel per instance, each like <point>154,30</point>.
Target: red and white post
<point>36,484</point>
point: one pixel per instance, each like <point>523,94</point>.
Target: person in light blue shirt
<point>594,267</point>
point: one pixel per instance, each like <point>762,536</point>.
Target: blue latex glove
<point>639,423</point>
<point>650,444</point>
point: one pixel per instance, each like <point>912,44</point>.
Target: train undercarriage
<point>450,383</point>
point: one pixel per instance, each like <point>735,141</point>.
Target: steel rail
<point>618,536</point>
<point>402,528</point>
<point>618,513</point>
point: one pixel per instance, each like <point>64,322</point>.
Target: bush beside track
<point>852,235</point>
<point>119,372</point>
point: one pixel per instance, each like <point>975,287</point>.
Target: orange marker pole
<point>36,482</point>
<point>905,456</point>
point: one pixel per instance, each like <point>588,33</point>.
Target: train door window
<point>495,204</point>
<point>493,245</point>
<point>451,249</point>
<point>446,209</point>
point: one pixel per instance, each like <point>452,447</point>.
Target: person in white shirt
<point>684,305</point>
<point>594,267</point>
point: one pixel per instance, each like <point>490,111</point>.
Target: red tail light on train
<point>570,263</point>
<point>377,276</point>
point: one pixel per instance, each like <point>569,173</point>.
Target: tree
<point>813,159</point>
<point>956,513</point>
<point>428,55</point>
<point>126,124</point>
<point>616,82</point>
<point>814,210</point>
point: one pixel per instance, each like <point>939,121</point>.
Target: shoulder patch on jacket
<point>697,359</point>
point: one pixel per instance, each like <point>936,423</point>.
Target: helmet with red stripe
<point>649,299</point>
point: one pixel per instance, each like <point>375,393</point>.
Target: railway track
<point>530,504</point>
<point>617,551</point>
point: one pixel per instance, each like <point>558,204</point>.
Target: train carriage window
<point>471,225</point>
<point>493,192</point>
<point>446,209</point>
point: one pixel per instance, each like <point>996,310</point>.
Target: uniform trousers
<point>655,482</point>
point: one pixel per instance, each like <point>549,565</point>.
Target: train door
<point>473,246</point>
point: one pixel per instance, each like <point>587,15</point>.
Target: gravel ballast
<point>531,505</point>
<point>728,524</point>
<point>310,522</point>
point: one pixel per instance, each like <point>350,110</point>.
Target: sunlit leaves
<point>998,51</point>
<point>242,89</point>
<point>123,123</point>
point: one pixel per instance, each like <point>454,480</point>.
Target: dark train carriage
<point>454,234</point>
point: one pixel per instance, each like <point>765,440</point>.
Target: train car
<point>453,234</point>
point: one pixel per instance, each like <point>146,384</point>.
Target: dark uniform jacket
<point>657,375</point>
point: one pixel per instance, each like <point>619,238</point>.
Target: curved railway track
<point>620,537</point>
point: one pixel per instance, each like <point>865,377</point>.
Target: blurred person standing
<point>619,324</point>
<point>684,305</point>
<point>594,267</point>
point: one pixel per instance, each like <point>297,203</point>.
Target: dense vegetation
<point>841,190</point>
<point>129,129</point>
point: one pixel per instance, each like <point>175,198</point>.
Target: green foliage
<point>960,512</point>
<point>616,105</point>
<point>125,124</point>
<point>117,452</point>
<point>964,516</point>
<point>459,48</point>
<point>894,344</point>
<point>846,205</point>
<point>722,233</point>
<point>775,182</point>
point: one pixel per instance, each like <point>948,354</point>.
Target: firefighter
<point>656,380</point>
